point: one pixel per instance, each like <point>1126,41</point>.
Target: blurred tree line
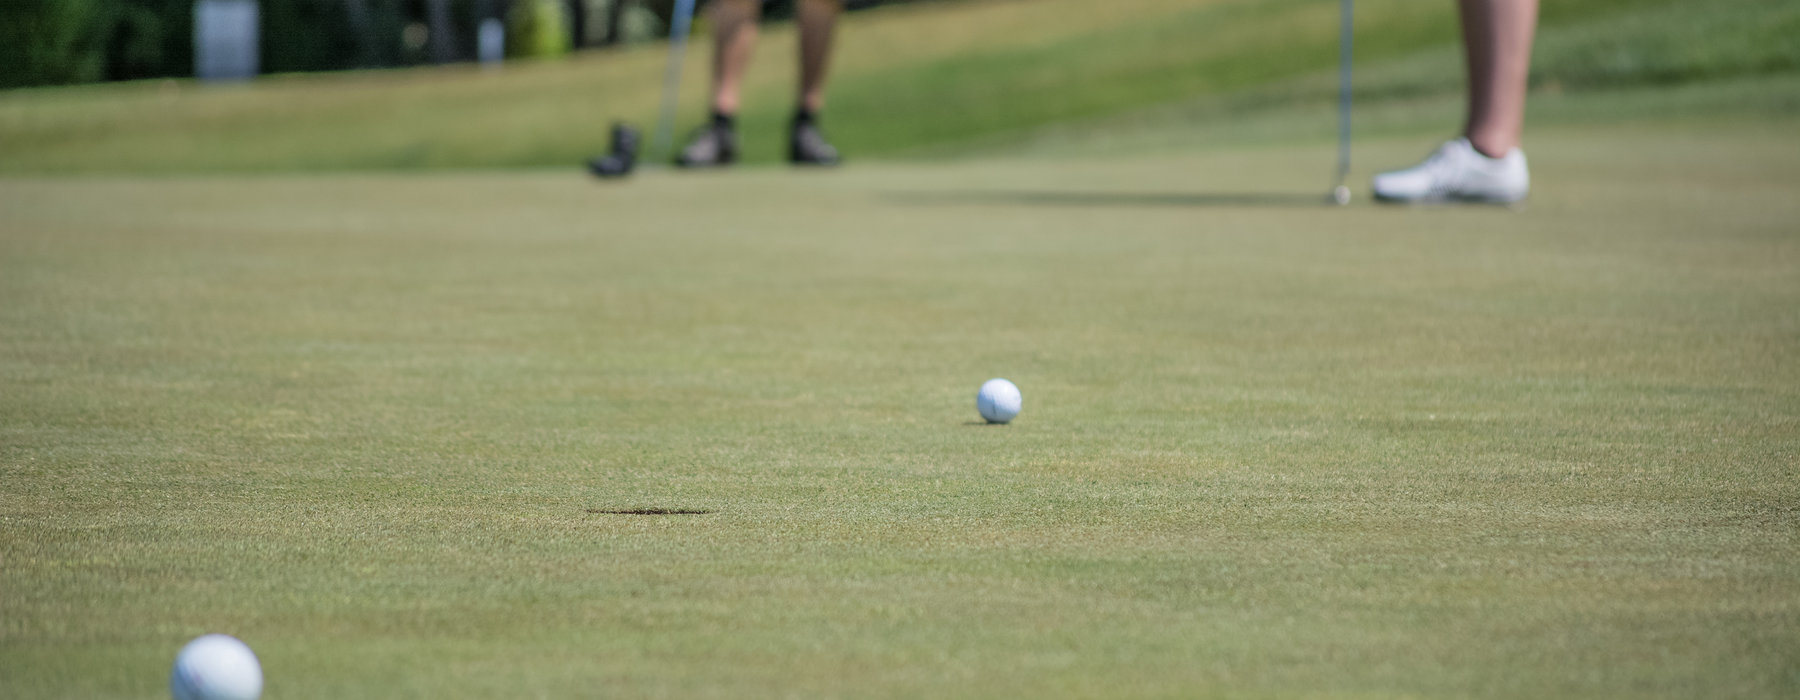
<point>55,42</point>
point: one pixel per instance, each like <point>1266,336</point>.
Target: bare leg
<point>817,18</point>
<point>734,35</point>
<point>1497,38</point>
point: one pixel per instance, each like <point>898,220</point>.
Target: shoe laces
<point>705,141</point>
<point>809,136</point>
<point>705,132</point>
<point>1445,171</point>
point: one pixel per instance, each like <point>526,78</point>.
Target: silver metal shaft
<point>678,34</point>
<point>1346,24</point>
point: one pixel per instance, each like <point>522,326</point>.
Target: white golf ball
<point>998,401</point>
<point>216,667</point>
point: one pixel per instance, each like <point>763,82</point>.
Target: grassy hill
<point>910,81</point>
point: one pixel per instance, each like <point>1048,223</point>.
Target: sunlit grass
<point>448,435</point>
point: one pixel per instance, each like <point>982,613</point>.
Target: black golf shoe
<point>712,146</point>
<point>623,157</point>
<point>807,145</point>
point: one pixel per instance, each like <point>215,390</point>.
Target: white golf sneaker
<point>1458,173</point>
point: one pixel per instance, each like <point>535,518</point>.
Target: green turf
<point>909,81</point>
<point>372,423</point>
<point>1269,449</point>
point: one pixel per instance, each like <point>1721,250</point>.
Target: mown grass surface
<point>372,424</point>
<point>481,434</point>
<point>914,80</point>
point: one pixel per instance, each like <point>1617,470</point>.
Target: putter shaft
<point>1346,25</point>
<point>678,33</point>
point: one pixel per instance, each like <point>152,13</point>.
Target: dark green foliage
<point>47,42</point>
<point>44,41</point>
<point>305,35</point>
<point>149,38</point>
<point>59,42</point>
<point>54,42</point>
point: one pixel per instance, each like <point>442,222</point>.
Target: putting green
<point>1269,448</point>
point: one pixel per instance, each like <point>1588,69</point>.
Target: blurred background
<point>110,86</point>
<point>56,42</point>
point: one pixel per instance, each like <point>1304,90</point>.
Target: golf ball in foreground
<point>998,401</point>
<point>216,667</point>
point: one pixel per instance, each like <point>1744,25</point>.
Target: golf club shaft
<point>678,33</point>
<point>1346,23</point>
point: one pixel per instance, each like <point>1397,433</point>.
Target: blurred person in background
<point>1485,163</point>
<point>734,36</point>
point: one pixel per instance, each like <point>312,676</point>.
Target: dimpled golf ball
<point>998,401</point>
<point>216,667</point>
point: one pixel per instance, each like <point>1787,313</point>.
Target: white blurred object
<point>1457,172</point>
<point>490,42</point>
<point>216,667</point>
<point>226,45</point>
<point>998,401</point>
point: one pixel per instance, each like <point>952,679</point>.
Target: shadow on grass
<point>649,511</point>
<point>1092,198</point>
